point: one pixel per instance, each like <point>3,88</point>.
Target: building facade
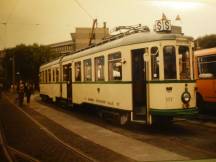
<point>62,48</point>
<point>80,39</point>
<point>82,36</point>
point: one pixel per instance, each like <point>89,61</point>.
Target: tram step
<point>140,113</point>
<point>139,121</point>
<point>139,116</point>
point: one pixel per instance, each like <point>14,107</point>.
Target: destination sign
<point>162,25</point>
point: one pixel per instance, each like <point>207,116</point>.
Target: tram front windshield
<point>169,57</point>
<point>184,62</point>
<point>170,64</point>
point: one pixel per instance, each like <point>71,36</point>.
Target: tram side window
<point>65,73</point>
<point>49,75</point>
<point>57,74</point>
<point>99,68</point>
<point>115,66</point>
<point>207,66</point>
<point>169,62</point>
<point>42,81</point>
<point>184,62</point>
<point>155,63</point>
<point>78,71</point>
<point>87,70</point>
<point>46,76</point>
<point>40,77</point>
<point>43,78</point>
<point>53,75</point>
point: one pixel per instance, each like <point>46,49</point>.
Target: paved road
<point>182,140</point>
<point>28,140</point>
<point>192,139</point>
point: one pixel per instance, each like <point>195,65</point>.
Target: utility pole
<point>13,72</point>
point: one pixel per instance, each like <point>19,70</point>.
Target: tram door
<point>69,83</point>
<point>139,84</point>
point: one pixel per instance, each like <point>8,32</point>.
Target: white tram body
<point>138,76</point>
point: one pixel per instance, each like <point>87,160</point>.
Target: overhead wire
<point>79,4</point>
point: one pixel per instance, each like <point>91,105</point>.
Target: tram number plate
<point>162,25</point>
<point>169,99</point>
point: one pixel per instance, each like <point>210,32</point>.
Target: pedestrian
<point>20,91</point>
<point>28,91</point>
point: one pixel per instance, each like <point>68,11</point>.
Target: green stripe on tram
<point>125,82</point>
<point>174,112</point>
<point>170,81</point>
<point>104,82</point>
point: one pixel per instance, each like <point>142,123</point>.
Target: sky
<point>51,21</point>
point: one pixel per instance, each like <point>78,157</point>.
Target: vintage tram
<point>139,76</point>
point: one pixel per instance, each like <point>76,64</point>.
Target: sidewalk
<point>123,145</point>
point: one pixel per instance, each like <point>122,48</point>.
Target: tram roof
<point>135,38</point>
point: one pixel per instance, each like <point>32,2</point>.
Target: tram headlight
<point>186,97</point>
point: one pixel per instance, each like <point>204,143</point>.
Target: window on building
<point>115,66</point>
<point>155,63</point>
<point>169,62</point>
<point>78,71</point>
<point>87,70</point>
<point>184,62</point>
<point>99,68</point>
<point>207,66</point>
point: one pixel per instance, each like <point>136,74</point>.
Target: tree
<point>27,62</point>
<point>207,41</point>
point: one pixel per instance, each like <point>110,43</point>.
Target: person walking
<point>28,91</point>
<point>20,91</point>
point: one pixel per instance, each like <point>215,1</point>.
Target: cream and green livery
<point>137,77</point>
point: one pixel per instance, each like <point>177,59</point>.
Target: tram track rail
<point>158,136</point>
<point>182,134</point>
<point>3,144</point>
<point>11,152</point>
<point>66,145</point>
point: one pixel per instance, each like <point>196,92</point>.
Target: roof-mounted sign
<point>163,25</point>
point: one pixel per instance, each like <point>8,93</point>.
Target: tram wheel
<point>200,103</point>
<point>123,118</point>
<point>158,120</point>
